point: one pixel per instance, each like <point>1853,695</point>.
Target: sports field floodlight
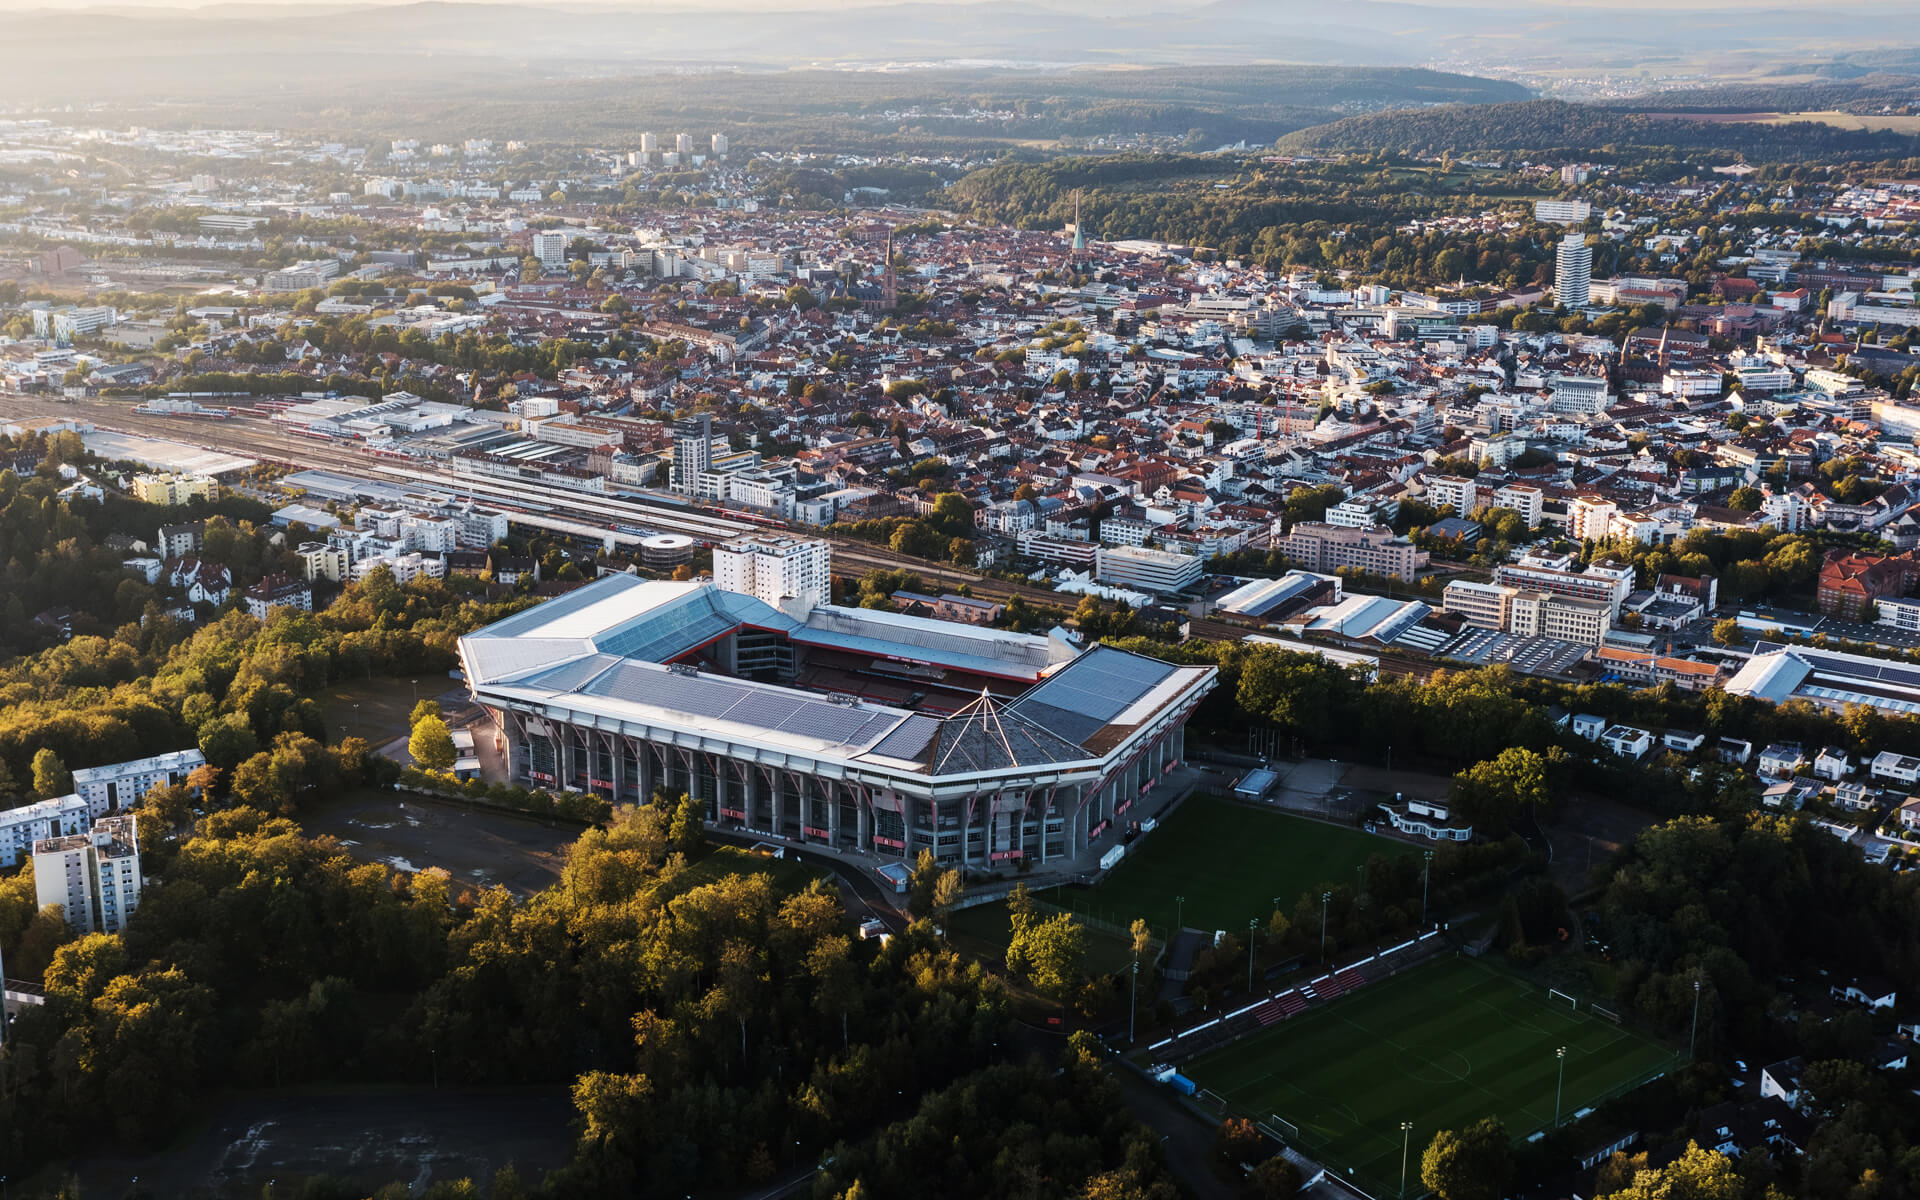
<point>1134,1011</point>
<point>1406,1138</point>
<point>1181,920</point>
<point>1560,1054</point>
<point>1426,871</point>
<point>1253,923</point>
<point>1693,1039</point>
<point>1324,898</point>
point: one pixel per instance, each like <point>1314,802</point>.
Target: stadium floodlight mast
<point>1253,923</point>
<point>1693,1039</point>
<point>1134,1010</point>
<point>1180,920</point>
<point>1560,1084</point>
<point>1426,870</point>
<point>1406,1139</point>
<point>1324,897</point>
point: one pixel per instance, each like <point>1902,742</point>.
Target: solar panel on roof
<point>909,739</point>
<point>663,689</point>
<point>828,722</point>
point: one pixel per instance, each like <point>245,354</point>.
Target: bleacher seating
<point>1351,978</point>
<point>1329,987</point>
<point>1291,1004</point>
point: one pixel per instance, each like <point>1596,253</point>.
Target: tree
<point>1474,1163</point>
<point>50,775</point>
<point>688,830</point>
<point>1492,793</point>
<point>1696,1175</point>
<point>1746,499</point>
<point>1142,935</point>
<point>1727,632</point>
<point>1048,953</point>
<point>947,891</point>
<point>431,744</point>
<point>425,708</point>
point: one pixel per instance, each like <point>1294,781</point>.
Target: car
<point>872,927</point>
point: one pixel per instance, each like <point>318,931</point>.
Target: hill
<point>1553,127</point>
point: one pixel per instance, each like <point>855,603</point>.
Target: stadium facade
<point>853,729</point>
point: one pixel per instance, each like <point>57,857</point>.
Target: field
<point>1856,122</point>
<point>377,709</point>
<point>1230,861</point>
<point>1441,1046</point>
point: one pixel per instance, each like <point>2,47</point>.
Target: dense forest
<point>1867,94</point>
<point>1550,127</point>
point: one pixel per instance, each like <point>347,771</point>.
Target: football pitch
<point>1442,1046</point>
<point>1230,861</point>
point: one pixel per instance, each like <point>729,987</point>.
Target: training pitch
<point>1230,861</point>
<point>1442,1046</point>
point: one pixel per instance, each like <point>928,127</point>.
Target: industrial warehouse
<point>846,728</point>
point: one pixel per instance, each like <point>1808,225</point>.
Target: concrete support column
<point>720,790</point>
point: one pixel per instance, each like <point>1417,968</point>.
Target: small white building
<point>1588,726</point>
<point>1780,760</point>
<point>1681,742</point>
<point>1895,768</point>
<point>1831,764</point>
<point>1627,741</point>
<point>1429,819</point>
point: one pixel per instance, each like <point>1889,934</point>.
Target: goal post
<point>1605,1013</point>
<point>1557,994</point>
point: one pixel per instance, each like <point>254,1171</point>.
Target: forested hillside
<point>1551,127</point>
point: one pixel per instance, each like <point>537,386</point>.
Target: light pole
<point>1406,1138</point>
<point>1252,924</point>
<point>1132,1012</point>
<point>1560,1054</point>
<point>1693,1039</point>
<point>1180,921</point>
<point>1426,871</point>
<point>1324,897</point>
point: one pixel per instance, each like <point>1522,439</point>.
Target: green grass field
<point>1230,861</point>
<point>1441,1046</point>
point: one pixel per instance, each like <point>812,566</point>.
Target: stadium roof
<point>603,651</point>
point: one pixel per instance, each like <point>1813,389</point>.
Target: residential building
<point>1318,546</point>
<point>94,876</point>
<point>1573,272</point>
<point>279,591</point>
<point>692,452</point>
<point>1160,571</point>
<point>301,276</point>
<point>790,574</point>
<point>1523,498</point>
<point>1562,212</point>
<point>179,541</point>
<point>324,560</point>
<point>116,786</point>
<point>172,489</point>
<point>21,827</point>
<point>718,143</point>
<point>550,247</point>
<point>1851,584</point>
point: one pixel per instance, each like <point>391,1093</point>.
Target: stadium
<point>848,728</point>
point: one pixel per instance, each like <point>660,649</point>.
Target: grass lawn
<point>985,930</point>
<point>1442,1046</point>
<point>1229,860</point>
